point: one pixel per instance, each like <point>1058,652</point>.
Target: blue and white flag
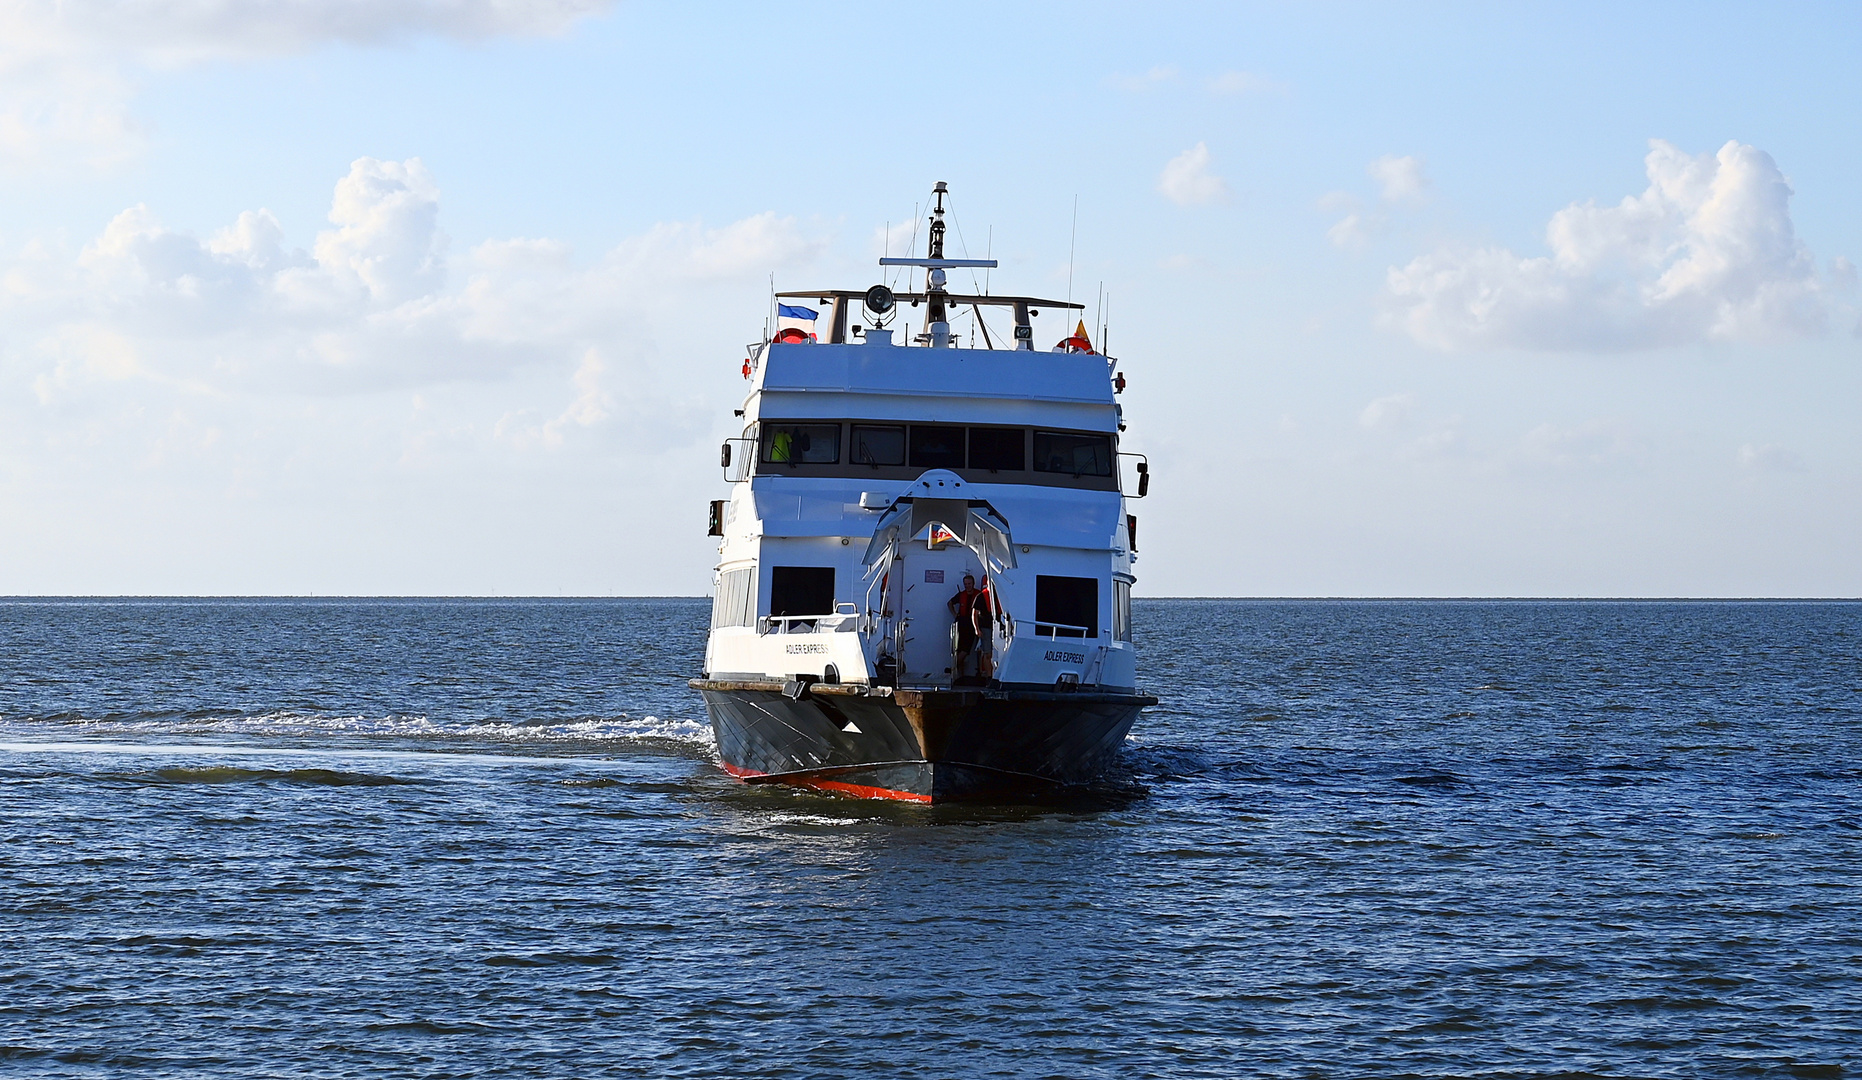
<point>788,312</point>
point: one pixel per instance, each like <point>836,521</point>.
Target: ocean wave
<point>228,774</point>
<point>624,728</point>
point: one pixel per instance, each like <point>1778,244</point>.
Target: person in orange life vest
<point>983,617</point>
<point>966,627</point>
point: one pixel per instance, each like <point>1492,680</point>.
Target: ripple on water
<point>1358,839</point>
<point>230,774</point>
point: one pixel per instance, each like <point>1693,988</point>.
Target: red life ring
<point>792,336</point>
<point>1075,343</point>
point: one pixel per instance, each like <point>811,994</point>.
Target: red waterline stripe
<point>861,791</point>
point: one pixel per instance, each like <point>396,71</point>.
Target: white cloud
<point>1768,457</point>
<point>1400,179</point>
<point>1595,442</point>
<point>1187,181</point>
<point>387,239</point>
<point>230,411</point>
<point>1843,273</point>
<point>68,68</point>
<point>1355,229</point>
<point>189,30</point>
<point>54,107</point>
<point>1387,413</point>
<point>1358,225</point>
<point>1402,429</point>
<point>1245,82</point>
<point>1151,79</point>
<point>591,405</point>
<point>375,303</point>
<point>1707,252</point>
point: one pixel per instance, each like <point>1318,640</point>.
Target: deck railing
<point>839,622</point>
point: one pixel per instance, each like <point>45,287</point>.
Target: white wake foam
<point>613,729</point>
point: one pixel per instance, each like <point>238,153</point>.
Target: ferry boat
<point>875,475</point>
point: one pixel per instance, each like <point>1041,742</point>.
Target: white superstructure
<point>872,474</point>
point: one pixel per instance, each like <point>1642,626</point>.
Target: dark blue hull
<point>929,746</point>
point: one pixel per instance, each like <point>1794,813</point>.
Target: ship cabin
<point>873,474</point>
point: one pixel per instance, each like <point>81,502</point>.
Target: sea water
<point>489,838</point>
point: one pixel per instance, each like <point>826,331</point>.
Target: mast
<point>937,319</point>
<point>937,324</point>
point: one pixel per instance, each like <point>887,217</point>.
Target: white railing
<point>1052,629</point>
<point>839,622</point>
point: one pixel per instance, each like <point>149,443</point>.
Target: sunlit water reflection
<point>489,838</point>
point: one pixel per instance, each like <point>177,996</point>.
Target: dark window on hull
<point>801,590</point>
<point>806,444</point>
<point>1069,604</point>
<point>997,449</point>
<point>937,447</point>
<point>1078,455</point>
<point>873,445</point>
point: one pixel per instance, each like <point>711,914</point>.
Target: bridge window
<point>1121,610</point>
<point>937,447</point>
<point>1080,455</point>
<point>735,603</point>
<point>1066,606</point>
<point>876,446</point>
<point>997,449</point>
<point>804,444</point>
<point>801,590</point>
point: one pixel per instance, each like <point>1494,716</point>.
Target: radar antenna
<point>937,325</point>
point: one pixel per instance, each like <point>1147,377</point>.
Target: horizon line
<point>14,597</point>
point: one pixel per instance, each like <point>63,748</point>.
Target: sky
<point>450,297</point>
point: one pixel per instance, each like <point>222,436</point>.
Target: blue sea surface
<point>489,838</point>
